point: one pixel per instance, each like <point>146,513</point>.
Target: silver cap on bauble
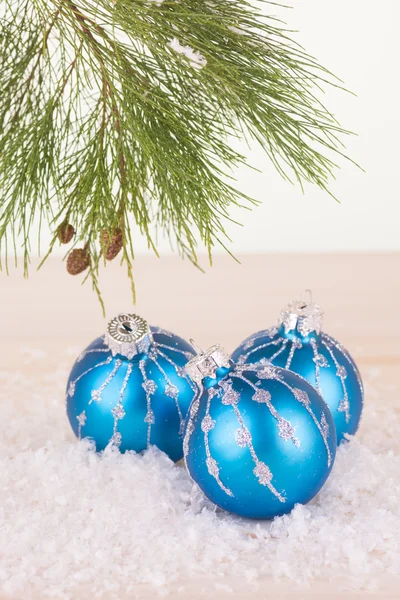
<point>128,335</point>
<point>206,363</point>
<point>302,315</point>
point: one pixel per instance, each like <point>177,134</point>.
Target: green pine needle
<point>103,121</point>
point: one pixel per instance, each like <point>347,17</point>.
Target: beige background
<point>359,294</point>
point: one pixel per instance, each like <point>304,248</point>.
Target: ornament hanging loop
<point>306,302</point>
<point>302,316</point>
<point>196,347</point>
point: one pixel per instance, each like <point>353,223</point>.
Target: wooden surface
<point>360,295</point>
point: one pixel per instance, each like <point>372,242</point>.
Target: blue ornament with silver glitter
<point>258,439</point>
<point>129,388</point>
<point>299,344</point>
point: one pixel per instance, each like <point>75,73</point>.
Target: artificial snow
<point>71,519</point>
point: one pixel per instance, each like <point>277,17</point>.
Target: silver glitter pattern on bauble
<point>180,371</point>
<point>243,357</point>
<point>207,424</point>
<point>301,396</point>
<point>267,371</point>
<point>264,474</point>
<point>81,423</point>
<point>320,362</point>
<point>211,463</point>
<point>72,385</point>
<point>271,332</point>
<point>242,437</point>
<point>116,439</point>
<point>193,410</point>
<point>335,344</point>
<point>296,345</point>
<point>162,331</point>
<point>260,468</point>
<point>261,396</point>
<point>95,395</point>
<point>279,351</point>
<point>91,351</point>
<point>344,405</point>
<point>317,363</point>
<point>304,399</point>
<point>149,387</point>
<point>324,425</point>
<point>230,396</point>
<point>184,353</point>
<point>170,389</point>
<point>285,429</point>
<point>118,411</point>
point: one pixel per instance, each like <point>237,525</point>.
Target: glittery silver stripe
<point>261,470</point>
<point>296,344</point>
<point>185,353</point>
<point>281,349</point>
<point>149,387</point>
<point>207,424</point>
<point>193,410</point>
<point>162,331</point>
<point>81,422</point>
<point>339,347</point>
<point>316,363</point>
<point>170,389</point>
<point>344,405</point>
<point>285,428</point>
<point>244,357</point>
<point>118,411</point>
<point>71,387</point>
<point>271,332</point>
<point>179,370</point>
<point>306,403</point>
<point>95,395</point>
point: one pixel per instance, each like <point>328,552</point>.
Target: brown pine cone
<point>65,233</point>
<point>111,248</point>
<point>77,261</point>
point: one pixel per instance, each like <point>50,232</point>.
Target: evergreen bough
<point>120,111</point>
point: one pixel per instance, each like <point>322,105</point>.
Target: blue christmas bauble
<point>299,344</point>
<point>129,388</point>
<point>258,439</point>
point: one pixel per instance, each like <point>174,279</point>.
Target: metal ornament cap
<point>206,364</point>
<point>304,317</point>
<point>128,335</point>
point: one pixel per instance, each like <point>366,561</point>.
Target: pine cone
<point>111,248</point>
<point>65,233</point>
<point>77,261</point>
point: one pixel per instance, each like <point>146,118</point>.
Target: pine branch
<point>120,112</point>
